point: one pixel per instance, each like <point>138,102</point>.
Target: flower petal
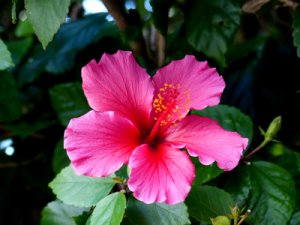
<point>160,174</point>
<point>99,143</point>
<point>117,83</point>
<point>205,138</point>
<point>198,84</point>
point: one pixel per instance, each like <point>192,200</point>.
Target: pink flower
<point>144,123</point>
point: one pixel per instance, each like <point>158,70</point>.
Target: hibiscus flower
<point>144,122</point>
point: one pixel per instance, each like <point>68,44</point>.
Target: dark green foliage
<point>45,43</point>
<point>205,202</point>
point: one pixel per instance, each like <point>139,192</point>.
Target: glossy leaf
<point>46,17</point>
<point>206,202</point>
<point>68,101</point>
<point>110,210</point>
<point>5,57</point>
<point>71,38</point>
<point>57,213</point>
<point>229,118</point>
<point>80,191</point>
<point>158,213</point>
<point>272,198</point>
<point>211,25</point>
<point>75,36</point>
<point>295,219</point>
<point>238,184</point>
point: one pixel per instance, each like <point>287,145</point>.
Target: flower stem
<point>263,144</point>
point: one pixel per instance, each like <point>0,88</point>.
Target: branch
<point>117,11</point>
<point>161,49</point>
<point>24,163</point>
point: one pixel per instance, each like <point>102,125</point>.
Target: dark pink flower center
<point>170,104</point>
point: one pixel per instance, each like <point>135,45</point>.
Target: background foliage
<point>254,44</point>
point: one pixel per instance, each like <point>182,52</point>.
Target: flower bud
<point>220,220</point>
<point>273,128</point>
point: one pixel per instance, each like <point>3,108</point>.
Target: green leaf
<point>9,98</point>
<point>19,48</point>
<point>24,29</point>
<point>221,220</point>
<point>71,38</point>
<point>157,213</point>
<point>60,158</point>
<point>68,101</point>
<point>295,219</point>
<point>5,57</point>
<point>46,17</point>
<point>238,184</point>
<point>75,36</point>
<point>211,25</point>
<point>230,118</point>
<point>296,32</point>
<point>284,157</point>
<point>14,11</point>
<point>110,210</point>
<point>205,173</point>
<point>206,202</point>
<point>57,213</point>
<point>80,191</point>
<point>273,194</point>
<point>82,219</point>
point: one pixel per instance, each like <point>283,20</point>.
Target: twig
<point>161,48</point>
<point>24,163</point>
<point>256,149</point>
<point>117,11</point>
<point>288,3</point>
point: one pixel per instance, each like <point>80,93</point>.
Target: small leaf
<point>46,17</point>
<point>220,220</point>
<point>5,57</point>
<point>206,202</point>
<point>295,219</point>
<point>272,198</point>
<point>68,101</point>
<point>110,210</point>
<point>57,213</point>
<point>211,25</point>
<point>80,191</point>
<point>60,158</point>
<point>296,32</point>
<point>230,118</point>
<point>157,213</point>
